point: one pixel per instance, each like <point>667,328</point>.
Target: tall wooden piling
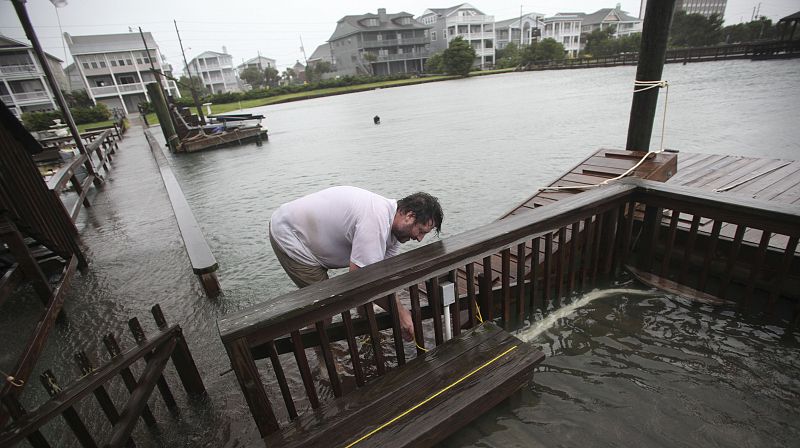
<point>655,32</point>
<point>164,118</point>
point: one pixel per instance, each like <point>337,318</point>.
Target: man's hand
<point>406,323</point>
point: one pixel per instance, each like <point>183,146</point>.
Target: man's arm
<point>406,323</point>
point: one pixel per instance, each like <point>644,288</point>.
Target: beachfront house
<point>114,68</point>
<point>623,23</point>
<point>217,71</point>
<point>705,8</point>
<point>257,62</point>
<point>509,30</point>
<point>23,87</point>
<point>379,44</point>
<point>466,21</point>
<point>565,28</point>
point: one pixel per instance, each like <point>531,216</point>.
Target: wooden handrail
<point>60,179</point>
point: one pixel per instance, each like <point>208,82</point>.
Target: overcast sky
<point>275,28</point>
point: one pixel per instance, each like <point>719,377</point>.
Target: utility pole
<point>758,10</point>
<point>191,80</point>
<point>655,31</point>
<point>25,21</point>
<point>520,25</point>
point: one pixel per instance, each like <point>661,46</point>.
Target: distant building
<point>24,87</point>
<point>565,28</point>
<point>379,44</point>
<point>257,62</point>
<point>466,21</point>
<point>705,8</point>
<point>217,71</point>
<point>114,68</point>
<point>299,70</point>
<point>506,31</point>
<point>321,54</point>
<point>623,23</point>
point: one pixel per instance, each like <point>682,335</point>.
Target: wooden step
<point>428,399</point>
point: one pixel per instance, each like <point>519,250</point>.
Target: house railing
<point>513,268</point>
<point>396,42</point>
<point>403,56</point>
<point>30,96</point>
<point>105,90</point>
<point>16,69</point>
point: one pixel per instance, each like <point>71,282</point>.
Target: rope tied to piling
<point>13,381</point>
<point>638,86</point>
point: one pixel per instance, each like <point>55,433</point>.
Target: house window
<point>103,64</point>
<point>100,83</point>
<point>121,63</point>
<point>433,36</point>
<point>139,61</point>
<point>126,80</point>
<point>86,65</point>
<point>94,64</point>
<point>129,61</point>
<point>113,63</point>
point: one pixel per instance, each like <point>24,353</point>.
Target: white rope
<point>642,86</point>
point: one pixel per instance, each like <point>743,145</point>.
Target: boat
<point>237,121</point>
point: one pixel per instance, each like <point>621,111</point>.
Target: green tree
<point>544,50</point>
<point>750,31</point>
<point>254,76</point>
<point>184,86</point>
<point>271,76</point>
<point>78,98</point>
<point>315,71</point>
<point>458,57</point>
<point>434,64</point>
<point>290,76</point>
<point>695,30</point>
<point>510,56</point>
<point>600,43</point>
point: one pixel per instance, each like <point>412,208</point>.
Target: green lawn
<point>82,127</point>
<point>247,104</point>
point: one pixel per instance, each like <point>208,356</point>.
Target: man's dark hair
<point>424,206</point>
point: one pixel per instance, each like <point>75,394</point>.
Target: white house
<point>114,68</point>
<point>462,20</point>
<point>565,27</point>
<point>258,62</point>
<point>23,87</point>
<point>509,30</point>
<point>217,71</point>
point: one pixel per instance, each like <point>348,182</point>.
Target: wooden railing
<point>154,351</point>
<point>544,256</point>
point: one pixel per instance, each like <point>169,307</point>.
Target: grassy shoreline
<point>319,93</point>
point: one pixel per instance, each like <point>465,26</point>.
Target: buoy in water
<point>376,119</point>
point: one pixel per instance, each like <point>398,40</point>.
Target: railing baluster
<point>626,235</point>
<point>250,382</point>
<point>182,358</point>
<point>375,338</point>
<point>783,271</point>
<point>330,363</point>
<point>435,303</point>
<point>473,310</point>
<point>100,394</point>
<point>163,387</point>
<point>710,253</point>
<point>505,279</point>
<point>673,227</point>
<point>651,224</point>
<point>733,257</point>
<point>586,257</point>
<point>562,256</point>
<point>598,240</point>
<point>548,266</point>
<point>756,269</point>
<point>573,249</point>
<point>305,372</point>
<point>70,414</point>
<point>416,316</point>
<point>535,244</point>
<point>520,282</point>
<point>487,302</point>
<point>455,308</point>
<point>397,334</point>
<point>611,219</point>
<point>689,249</point>
<point>286,393</point>
<point>127,376</point>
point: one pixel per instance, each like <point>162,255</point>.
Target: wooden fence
<point>154,351</point>
<point>546,255</point>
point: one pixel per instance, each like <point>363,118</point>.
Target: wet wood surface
<point>348,419</point>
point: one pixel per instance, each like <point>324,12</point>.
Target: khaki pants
<point>301,274</point>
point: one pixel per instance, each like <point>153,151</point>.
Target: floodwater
<point>629,368</point>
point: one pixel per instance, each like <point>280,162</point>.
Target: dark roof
<point>444,12</point>
<point>600,15</point>
<point>348,25</point>
<point>790,17</point>
<point>9,43</point>
<point>322,53</point>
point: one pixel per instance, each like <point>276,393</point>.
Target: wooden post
<point>182,358</point>
<point>655,31</point>
<point>164,118</point>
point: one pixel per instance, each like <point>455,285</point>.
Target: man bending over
<point>343,227</point>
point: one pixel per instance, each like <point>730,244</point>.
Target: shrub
<point>39,121</point>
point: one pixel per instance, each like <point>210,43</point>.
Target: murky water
<point>626,369</point>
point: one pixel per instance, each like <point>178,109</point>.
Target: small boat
<point>234,121</point>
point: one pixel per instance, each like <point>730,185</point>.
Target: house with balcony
<point>23,86</point>
<point>257,62</point>
<point>217,71</point>
<point>379,44</point>
<point>510,30</point>
<point>623,23</point>
<point>565,28</point>
<point>114,68</point>
<point>466,21</point>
